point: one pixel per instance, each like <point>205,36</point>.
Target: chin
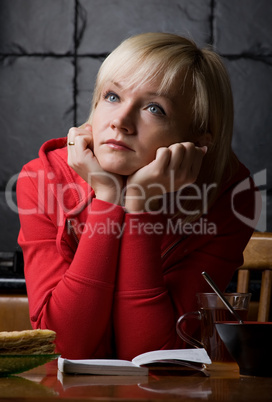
<point>117,169</point>
<point>120,171</point>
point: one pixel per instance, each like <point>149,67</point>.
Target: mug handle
<point>183,335</point>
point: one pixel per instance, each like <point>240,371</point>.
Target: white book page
<point>94,362</point>
<point>194,355</point>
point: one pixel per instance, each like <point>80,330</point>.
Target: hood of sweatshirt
<point>72,193</point>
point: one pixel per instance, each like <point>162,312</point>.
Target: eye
<point>155,108</point>
<point>111,97</point>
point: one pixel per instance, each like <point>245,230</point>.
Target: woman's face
<point>130,124</point>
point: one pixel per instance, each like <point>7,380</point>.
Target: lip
<point>118,145</point>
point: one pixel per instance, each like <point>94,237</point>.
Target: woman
<point>119,219</point>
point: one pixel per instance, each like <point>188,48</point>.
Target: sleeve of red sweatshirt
<point>144,314</point>
<point>74,299</point>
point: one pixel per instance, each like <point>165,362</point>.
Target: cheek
<point>162,139</point>
<point>94,139</point>
<point>150,154</point>
<point>97,119</point>
<point>96,127</point>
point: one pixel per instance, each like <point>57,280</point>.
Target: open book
<point>189,358</point>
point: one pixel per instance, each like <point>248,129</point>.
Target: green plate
<point>14,364</point>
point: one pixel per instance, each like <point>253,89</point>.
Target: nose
<point>124,121</point>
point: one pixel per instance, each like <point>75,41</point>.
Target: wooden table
<point>45,383</point>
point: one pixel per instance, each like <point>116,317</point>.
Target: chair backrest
<point>258,257</point>
<point>14,315</point>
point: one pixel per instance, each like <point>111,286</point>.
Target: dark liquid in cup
<point>209,336</point>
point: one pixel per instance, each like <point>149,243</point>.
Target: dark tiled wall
<point>50,52</point>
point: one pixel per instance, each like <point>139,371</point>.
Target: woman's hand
<point>173,167</point>
<point>107,186</point>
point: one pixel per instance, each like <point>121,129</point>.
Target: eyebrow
<point>117,84</point>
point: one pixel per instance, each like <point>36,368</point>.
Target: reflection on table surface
<point>224,384</point>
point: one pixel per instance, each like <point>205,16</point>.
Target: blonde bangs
<point>139,64</point>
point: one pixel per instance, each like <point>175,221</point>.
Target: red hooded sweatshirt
<point>111,283</point>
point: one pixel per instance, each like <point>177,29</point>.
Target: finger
<point>188,155</point>
<point>204,149</point>
<point>71,136</point>
<point>74,132</point>
<point>78,141</point>
<point>163,155</point>
<point>83,142</point>
<point>177,155</point>
<point>191,163</point>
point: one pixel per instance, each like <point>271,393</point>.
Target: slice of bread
<point>28,342</point>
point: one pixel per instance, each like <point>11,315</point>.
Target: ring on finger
<point>71,143</point>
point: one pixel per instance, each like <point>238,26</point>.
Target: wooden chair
<point>258,257</point>
<point>14,314</point>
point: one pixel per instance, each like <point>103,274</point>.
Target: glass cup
<point>211,310</point>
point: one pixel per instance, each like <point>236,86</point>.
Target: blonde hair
<point>145,57</point>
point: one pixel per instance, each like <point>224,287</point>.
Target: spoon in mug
<point>222,297</point>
